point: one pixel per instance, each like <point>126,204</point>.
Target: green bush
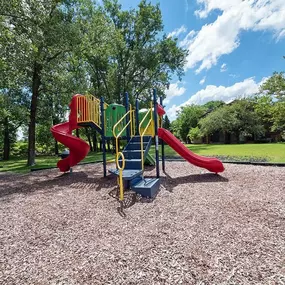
<point>20,148</point>
<point>195,134</point>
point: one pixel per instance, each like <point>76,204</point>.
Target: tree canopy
<point>262,113</point>
<point>50,50</point>
<point>55,48</point>
<point>270,104</point>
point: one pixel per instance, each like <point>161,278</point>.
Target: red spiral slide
<point>211,164</point>
<point>78,148</point>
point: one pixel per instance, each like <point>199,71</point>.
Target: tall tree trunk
<point>208,139</point>
<point>33,112</point>
<point>228,138</point>
<point>6,153</point>
<point>55,147</point>
<point>118,89</point>
<point>89,138</point>
<point>100,148</point>
<point>237,136</point>
<point>55,122</point>
<point>108,145</point>
<point>95,143</point>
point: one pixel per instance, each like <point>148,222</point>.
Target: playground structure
<point>138,128</point>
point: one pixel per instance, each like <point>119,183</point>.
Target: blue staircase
<point>133,172</point>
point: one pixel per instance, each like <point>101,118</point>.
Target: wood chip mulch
<point>201,228</point>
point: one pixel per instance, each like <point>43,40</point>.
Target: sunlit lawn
<point>242,152</point>
<point>19,164</point>
<point>239,152</point>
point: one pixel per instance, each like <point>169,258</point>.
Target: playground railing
<point>121,168</point>
<point>118,130</point>
<point>132,118</point>
<point>142,131</point>
<point>88,108</point>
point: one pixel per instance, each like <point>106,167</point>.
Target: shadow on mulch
<point>196,178</point>
<point>79,180</point>
<point>131,198</point>
<point>170,183</point>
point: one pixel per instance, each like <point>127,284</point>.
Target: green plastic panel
<point>113,114</point>
<point>149,160</point>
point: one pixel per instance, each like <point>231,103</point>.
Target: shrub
<point>195,134</point>
<point>20,148</point>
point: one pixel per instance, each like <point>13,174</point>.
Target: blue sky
<point>234,45</point>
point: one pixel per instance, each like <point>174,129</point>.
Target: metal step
<point>128,174</point>
<point>147,187</point>
<point>132,154</point>
<point>133,148</point>
<point>138,139</point>
<point>136,145</point>
<point>132,163</point>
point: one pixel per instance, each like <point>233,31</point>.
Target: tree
<point>246,123</point>
<point>212,105</point>
<point>218,120</point>
<point>12,116</point>
<point>270,104</point>
<point>51,49</point>
<point>275,86</point>
<point>166,123</point>
<point>53,104</point>
<point>141,57</point>
<point>174,128</point>
<point>188,118</point>
<point>278,117</point>
<point>13,98</point>
<point>195,134</point>
<point>238,118</point>
<point>263,107</point>
<point>39,37</point>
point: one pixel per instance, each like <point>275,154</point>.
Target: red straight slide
<point>78,148</point>
<point>211,164</point>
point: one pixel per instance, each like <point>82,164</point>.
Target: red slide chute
<point>78,148</point>
<point>211,164</point>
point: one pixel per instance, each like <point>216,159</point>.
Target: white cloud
<point>202,81</point>
<point>241,89</point>
<point>234,75</point>
<point>222,36</point>
<point>213,92</point>
<point>172,112</point>
<point>188,39</point>
<point>177,32</point>
<point>174,90</point>
<point>223,67</point>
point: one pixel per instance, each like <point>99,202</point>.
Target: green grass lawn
<point>19,164</point>
<point>240,152</point>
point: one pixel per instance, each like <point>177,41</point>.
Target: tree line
<point>50,50</point>
<point>254,117</point>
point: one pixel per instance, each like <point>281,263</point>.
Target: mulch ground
<point>201,228</point>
